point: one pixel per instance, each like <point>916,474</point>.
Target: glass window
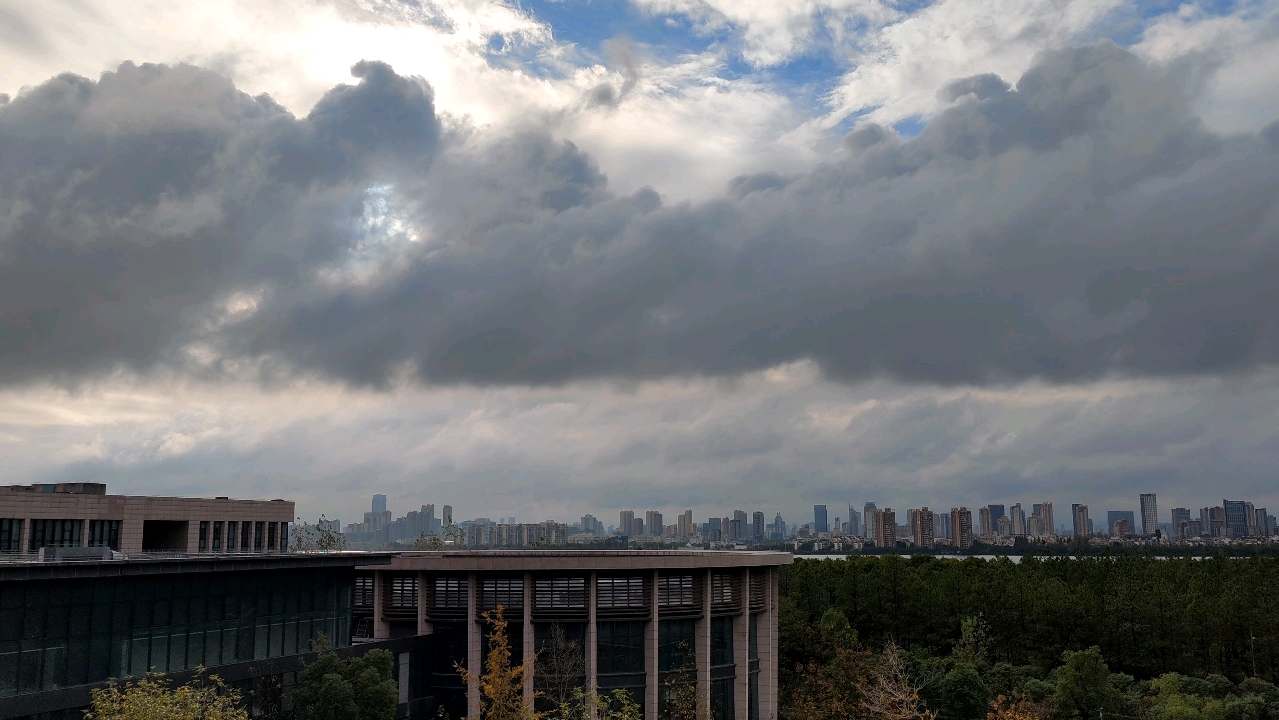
<point>721,641</point>
<point>676,644</point>
<point>403,593</point>
<point>217,536</point>
<point>104,533</point>
<point>754,638</point>
<point>204,535</point>
<point>258,530</point>
<point>621,647</point>
<point>722,699</point>
<point>231,534</point>
<point>284,537</point>
<point>270,536</point>
<point>55,533</point>
<point>507,592</point>
<point>246,535</point>
<point>10,540</point>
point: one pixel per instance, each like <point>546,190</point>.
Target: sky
<point>544,258</point>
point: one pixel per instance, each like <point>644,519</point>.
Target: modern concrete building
<point>641,620</point>
<point>65,515</point>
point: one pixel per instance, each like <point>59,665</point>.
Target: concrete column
<point>592,655</point>
<point>474,662</point>
<point>402,662</point>
<point>25,543</point>
<point>381,627</point>
<point>704,650</point>
<point>529,653</point>
<point>423,624</point>
<point>768,653</point>
<point>652,677</point>
<point>741,649</point>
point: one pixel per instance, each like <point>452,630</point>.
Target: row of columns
<point>767,642</point>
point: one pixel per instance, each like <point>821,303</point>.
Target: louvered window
<point>676,591</point>
<point>450,593</point>
<point>758,590</point>
<point>403,593</point>
<point>364,591</point>
<point>620,592</point>
<point>559,593</point>
<point>723,590</point>
<point>507,592</point>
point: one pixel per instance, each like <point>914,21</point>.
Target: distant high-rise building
<point>779,528</point>
<point>1035,526</point>
<point>742,530</point>
<point>985,523</point>
<point>1149,514</point>
<point>1114,516</point>
<point>654,522</point>
<point>868,515</point>
<point>1179,514</point>
<point>1259,522</point>
<point>886,528</point>
<point>626,522</point>
<point>379,504</point>
<point>1017,520</point>
<point>820,525</point>
<point>1236,512</point>
<point>637,527</point>
<point>1120,528</point>
<point>429,511</point>
<point>942,525</point>
<point>854,526</point>
<point>447,516</point>
<point>961,528</point>
<point>684,526</point>
<point>1045,511</point>
<point>1082,523</point>
<point>757,526</point>
<point>996,512</point>
<point>921,525</point>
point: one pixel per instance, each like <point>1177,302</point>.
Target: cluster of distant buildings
<point>960,528</point>
<point>1231,521</point>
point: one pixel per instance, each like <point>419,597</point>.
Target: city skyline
<point>879,525</point>
<point>544,256</point>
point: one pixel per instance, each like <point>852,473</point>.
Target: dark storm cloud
<point>1080,223</point>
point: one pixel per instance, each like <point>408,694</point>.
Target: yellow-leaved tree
<point>501,683</point>
<point>152,698</point>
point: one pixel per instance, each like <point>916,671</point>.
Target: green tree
<point>964,694</point>
<point>317,537</point>
<point>151,698</point>
<point>428,542</point>
<point>360,688</point>
<point>1084,690</point>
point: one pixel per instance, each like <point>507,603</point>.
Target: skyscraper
<point>757,526</point>
<point>1237,519</point>
<point>379,504</point>
<point>1017,516</point>
<point>961,527</point>
<point>779,528</point>
<point>1083,525</point>
<point>996,512</point>
<point>921,526</point>
<point>653,522</point>
<point>985,524</point>
<point>868,515</point>
<point>854,526</point>
<point>886,528</point>
<point>1149,514</point>
<point>626,522</point>
<point>1046,513</point>
<point>942,525</point>
<point>820,524</point>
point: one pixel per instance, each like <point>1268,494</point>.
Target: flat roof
<point>191,563</point>
<point>533,560</point>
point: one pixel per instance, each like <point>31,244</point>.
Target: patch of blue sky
<point>588,24</point>
<point>1127,24</point>
<point>910,127</point>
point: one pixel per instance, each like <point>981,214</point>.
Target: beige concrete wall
<point>133,510</point>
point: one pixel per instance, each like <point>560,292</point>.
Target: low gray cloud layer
<point>1078,223</point>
